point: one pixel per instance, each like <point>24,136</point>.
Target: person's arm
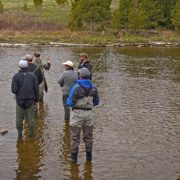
<point>96,98</point>
<point>61,80</point>
<point>14,85</point>
<point>40,75</point>
<point>47,65</point>
<point>36,90</point>
<point>72,96</point>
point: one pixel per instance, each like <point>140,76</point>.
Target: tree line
<point>130,14</point>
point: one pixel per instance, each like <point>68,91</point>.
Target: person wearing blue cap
<point>25,87</point>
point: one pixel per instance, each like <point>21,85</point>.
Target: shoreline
<point>67,38</point>
<point>130,44</point>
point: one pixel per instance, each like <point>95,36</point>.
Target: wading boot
<point>19,134</point>
<point>31,134</point>
<point>88,156</point>
<point>74,157</point>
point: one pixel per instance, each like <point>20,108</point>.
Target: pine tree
<point>1,7</point>
<point>38,3</point>
<point>153,13</point>
<point>137,16</point>
<point>61,2</point>
<point>120,17</point>
<point>166,7</point>
<point>76,17</point>
<point>89,12</point>
<point>25,7</point>
<point>176,16</point>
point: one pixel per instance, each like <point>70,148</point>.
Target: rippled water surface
<point>137,126</point>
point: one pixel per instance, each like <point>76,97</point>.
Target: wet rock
<point>3,131</point>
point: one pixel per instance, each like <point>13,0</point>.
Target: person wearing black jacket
<point>33,68</point>
<point>85,63</point>
<point>25,87</point>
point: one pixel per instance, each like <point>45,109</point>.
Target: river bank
<point>67,38</point>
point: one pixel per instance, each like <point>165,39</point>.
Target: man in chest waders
<point>82,97</point>
<point>66,81</point>
<point>42,66</point>
<point>25,87</point>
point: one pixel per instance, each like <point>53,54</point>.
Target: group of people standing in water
<point>79,96</point>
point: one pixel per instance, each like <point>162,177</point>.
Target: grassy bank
<point>50,24</point>
<point>97,38</point>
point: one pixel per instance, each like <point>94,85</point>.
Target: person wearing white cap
<point>66,81</point>
<point>25,87</point>
<point>82,98</point>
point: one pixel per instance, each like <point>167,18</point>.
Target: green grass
<point>50,23</point>
<point>50,11</point>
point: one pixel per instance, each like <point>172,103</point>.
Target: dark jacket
<point>25,87</point>
<point>86,65</point>
<point>37,72</point>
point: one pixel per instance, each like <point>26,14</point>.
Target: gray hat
<point>27,57</point>
<point>84,72</point>
<point>23,64</point>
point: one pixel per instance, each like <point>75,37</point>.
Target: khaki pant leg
<point>41,90</point>
<point>87,129</point>
<point>75,138</point>
<point>88,137</point>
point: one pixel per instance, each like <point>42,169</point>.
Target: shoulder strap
<point>35,70</point>
<point>86,90</point>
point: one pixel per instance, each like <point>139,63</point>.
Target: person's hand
<point>48,61</point>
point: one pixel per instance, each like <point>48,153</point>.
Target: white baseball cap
<point>23,64</point>
<point>68,63</point>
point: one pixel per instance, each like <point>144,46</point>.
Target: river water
<point>137,126</point>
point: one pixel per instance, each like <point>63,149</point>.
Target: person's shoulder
<point>76,85</point>
<point>31,74</point>
<point>16,74</point>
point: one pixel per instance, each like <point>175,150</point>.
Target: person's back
<point>33,68</point>
<point>25,87</point>
<point>66,81</point>
<point>82,97</point>
<point>85,95</point>
<point>37,72</point>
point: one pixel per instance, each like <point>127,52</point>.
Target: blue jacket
<point>83,95</point>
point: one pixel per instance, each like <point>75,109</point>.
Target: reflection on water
<point>29,150</point>
<point>136,132</point>
<point>28,159</point>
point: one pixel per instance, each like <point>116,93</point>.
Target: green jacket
<point>43,66</point>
